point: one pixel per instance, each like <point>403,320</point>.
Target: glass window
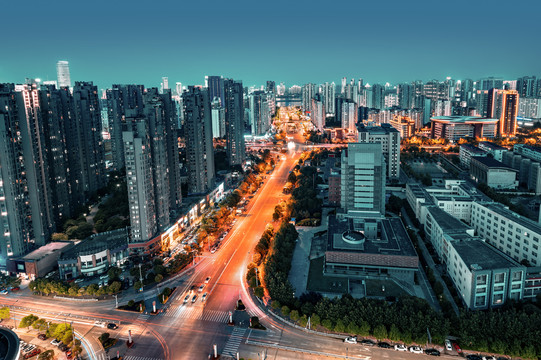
<point>517,276</point>
<point>480,300</point>
<point>499,278</point>
<point>481,279</point>
<point>498,299</point>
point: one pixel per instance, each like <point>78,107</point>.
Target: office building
<point>482,103</point>
<point>198,137</point>
<point>363,180</point>
<point>490,83</point>
<point>503,105</point>
<point>271,87</point>
<point>389,138</point>
<point>527,160</point>
<point>234,121</point>
<point>63,73</point>
<point>455,128</point>
<point>467,151</point>
<point>495,150</point>
<point>164,84</point>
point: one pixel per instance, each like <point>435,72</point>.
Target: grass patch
<point>318,282</point>
<point>133,306</point>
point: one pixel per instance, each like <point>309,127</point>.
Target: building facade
<point>234,121</point>
<point>389,138</point>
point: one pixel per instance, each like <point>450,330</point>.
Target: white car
<point>489,358</point>
<point>201,288</point>
<point>400,347</point>
<point>448,345</point>
<point>204,297</point>
<point>4,292</point>
<point>55,342</point>
<point>416,349</point>
<point>207,280</point>
<point>351,340</point>
<point>99,324</point>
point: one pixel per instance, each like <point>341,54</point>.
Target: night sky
<point>294,42</point>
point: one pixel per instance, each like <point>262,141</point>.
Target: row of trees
<point>305,204</point>
<point>44,286</point>
<point>62,331</point>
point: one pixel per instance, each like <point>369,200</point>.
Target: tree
<point>380,332</point>
<point>315,320</point>
<point>46,355</point>
<point>394,333</point>
<point>294,315</point>
<point>4,313</point>
<point>28,320</point>
<point>339,326</point>
<point>59,237</point>
<point>114,273</point>
<point>158,278</point>
<point>138,285</point>
<point>104,337</point>
<point>114,288</point>
<point>259,292</point>
<point>285,310</point>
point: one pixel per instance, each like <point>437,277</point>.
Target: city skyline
<point>372,41</point>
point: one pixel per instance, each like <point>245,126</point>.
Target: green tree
<point>259,292</point>
<point>114,288</point>
<point>28,320</point>
<point>114,273</point>
<point>137,285</point>
<point>4,313</point>
<point>46,355</point>
<point>315,320</point>
<point>285,310</point>
<point>40,324</point>
<point>380,332</point>
<point>158,278</point>
<point>394,333</point>
<point>104,337</point>
<point>364,328</point>
<point>327,324</point>
<point>339,326</point>
<point>294,315</point>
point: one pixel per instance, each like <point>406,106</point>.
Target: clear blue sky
<point>291,41</point>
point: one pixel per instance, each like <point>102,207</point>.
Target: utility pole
<point>116,301</point>
<point>141,277</point>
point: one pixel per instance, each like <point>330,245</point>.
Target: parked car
<point>204,297</point>
<point>194,298</point>
<point>473,357</point>
<point>42,336</point>
<point>448,345</point>
<point>400,347</point>
<point>201,288</point>
<point>457,348</point>
<point>186,299</point>
<point>488,357</point>
<point>432,352</point>
<point>16,288</point>
<point>351,340</point>
<point>367,342</point>
<point>385,345</point>
<point>416,349</point>
<point>55,342</point>
<point>207,280</point>
<point>112,326</point>
<point>3,292</point>
<point>63,347</point>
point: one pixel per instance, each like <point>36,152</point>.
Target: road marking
<point>234,341</point>
<point>293,349</point>
<point>140,358</point>
<point>143,317</point>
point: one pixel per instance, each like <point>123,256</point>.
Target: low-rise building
<point>527,160</point>
<point>455,128</point>
<point>95,254</point>
<point>467,151</point>
<point>495,150</point>
<point>358,248</point>
<point>39,262</point>
<point>492,172</point>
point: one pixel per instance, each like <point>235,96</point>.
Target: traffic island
<point>138,306</point>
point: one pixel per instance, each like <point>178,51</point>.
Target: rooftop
<point>447,222</point>
<point>46,250</point>
<point>491,145</point>
<point>472,148</point>
<point>463,119</point>
<point>491,163</point>
<point>382,130</point>
<point>480,255</point>
<point>98,242</point>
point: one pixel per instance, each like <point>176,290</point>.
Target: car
<point>63,347</point>
<point>112,326</point>
<point>79,281</point>
<point>3,292</point>
<point>432,352</point>
<point>416,349</point>
<point>473,357</point>
<point>30,348</point>
<point>186,299</point>
<point>192,288</point>
<point>204,297</point>
<point>100,324</point>
<point>201,288</point>
<point>207,280</point>
<point>55,342</point>
<point>385,345</point>
<point>448,345</point>
<point>488,357</point>
<point>457,348</point>
<point>42,336</point>
<point>351,340</point>
<point>400,347</point>
<point>194,298</point>
<point>367,342</point>
<point>16,288</point>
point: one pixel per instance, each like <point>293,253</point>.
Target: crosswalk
<point>143,317</point>
<point>198,313</point>
<point>234,341</point>
<point>140,358</point>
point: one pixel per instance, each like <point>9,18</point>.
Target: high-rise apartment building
<point>349,116</point>
<point>88,148</point>
<point>503,105</point>
<point>218,119</point>
<point>124,102</point>
<point>198,136</point>
<point>234,121</point>
<point>308,92</point>
<point>215,84</point>
<point>490,83</point>
<point>527,86</point>
<point>63,73</point>
<point>139,176</point>
<point>259,113</point>
<point>363,180</point>
<point>318,112</point>
<point>389,138</point>
<point>271,87</point>
<point>329,95</point>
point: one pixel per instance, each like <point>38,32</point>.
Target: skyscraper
<point>349,116</point>
<point>198,137</point>
<point>271,87</point>
<point>308,92</point>
<point>328,92</point>
<point>318,115</point>
<point>363,179</point>
<point>490,83</point>
<point>218,119</point>
<point>503,105</point>
<point>259,114</point>
<point>389,138</point>
<point>527,86</point>
<point>215,84</point>
<point>63,73</point>
<point>234,121</point>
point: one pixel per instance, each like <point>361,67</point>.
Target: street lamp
<point>116,301</point>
